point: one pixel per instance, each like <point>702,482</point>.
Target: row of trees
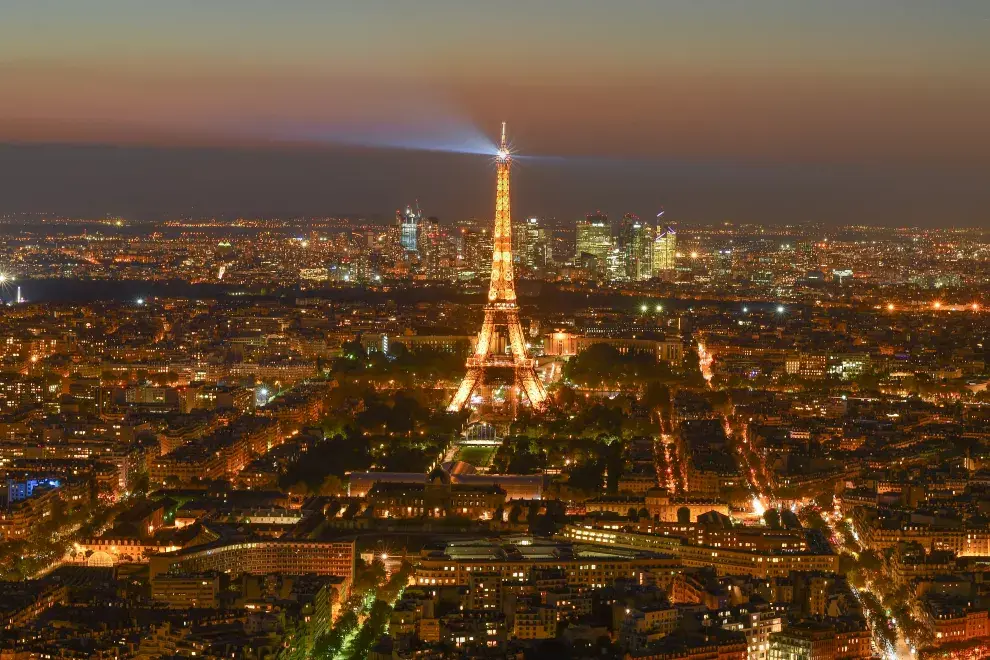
<point>365,614</point>
<point>398,431</point>
<point>402,366</point>
<point>602,366</point>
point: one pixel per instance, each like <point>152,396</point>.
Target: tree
<point>332,485</point>
<point>353,350</point>
<point>692,369</point>
<point>603,366</point>
<point>141,482</point>
<point>300,488</point>
<point>565,396</point>
<point>824,501</point>
<point>868,560</point>
<point>684,515</point>
<point>58,514</point>
<point>657,397</point>
<point>515,513</point>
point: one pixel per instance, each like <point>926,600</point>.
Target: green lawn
<point>477,456</point>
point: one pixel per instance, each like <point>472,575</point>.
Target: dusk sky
<point>844,111</point>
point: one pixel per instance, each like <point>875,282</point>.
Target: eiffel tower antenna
<point>502,310</point>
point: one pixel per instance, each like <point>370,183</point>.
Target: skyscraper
<point>616,268</point>
<point>436,251</point>
<point>636,241</point>
<point>664,252</point>
<point>410,221</point>
<point>531,245</point>
<point>474,256</point>
<point>593,237</point>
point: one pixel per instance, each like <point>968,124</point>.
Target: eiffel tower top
<point>502,289</point>
<point>503,148</point>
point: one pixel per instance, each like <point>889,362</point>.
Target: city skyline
<point>282,377</point>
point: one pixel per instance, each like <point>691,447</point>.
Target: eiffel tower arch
<point>500,354</point>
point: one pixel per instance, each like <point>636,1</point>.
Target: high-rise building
<point>636,242</point>
<point>474,250</point>
<point>723,264</point>
<point>436,251</point>
<point>616,267</point>
<point>531,245</point>
<point>664,252</point>
<point>593,237</point>
<point>410,221</point>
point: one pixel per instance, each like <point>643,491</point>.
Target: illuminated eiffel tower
<point>501,347</point>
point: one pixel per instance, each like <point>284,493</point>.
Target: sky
<point>846,111</point>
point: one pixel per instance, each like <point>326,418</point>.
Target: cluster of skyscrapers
<point>638,250</point>
<point>465,251</point>
<point>634,250</point>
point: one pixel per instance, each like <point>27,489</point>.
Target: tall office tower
<point>476,254</point>
<point>410,221</point>
<point>723,263</point>
<point>593,237</point>
<point>636,241</point>
<point>436,251</point>
<point>501,344</point>
<point>664,252</point>
<point>616,267</point>
<point>474,250</point>
<point>531,245</point>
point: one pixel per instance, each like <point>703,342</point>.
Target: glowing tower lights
<point>502,310</point>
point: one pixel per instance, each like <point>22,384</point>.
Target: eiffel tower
<point>501,328</point>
